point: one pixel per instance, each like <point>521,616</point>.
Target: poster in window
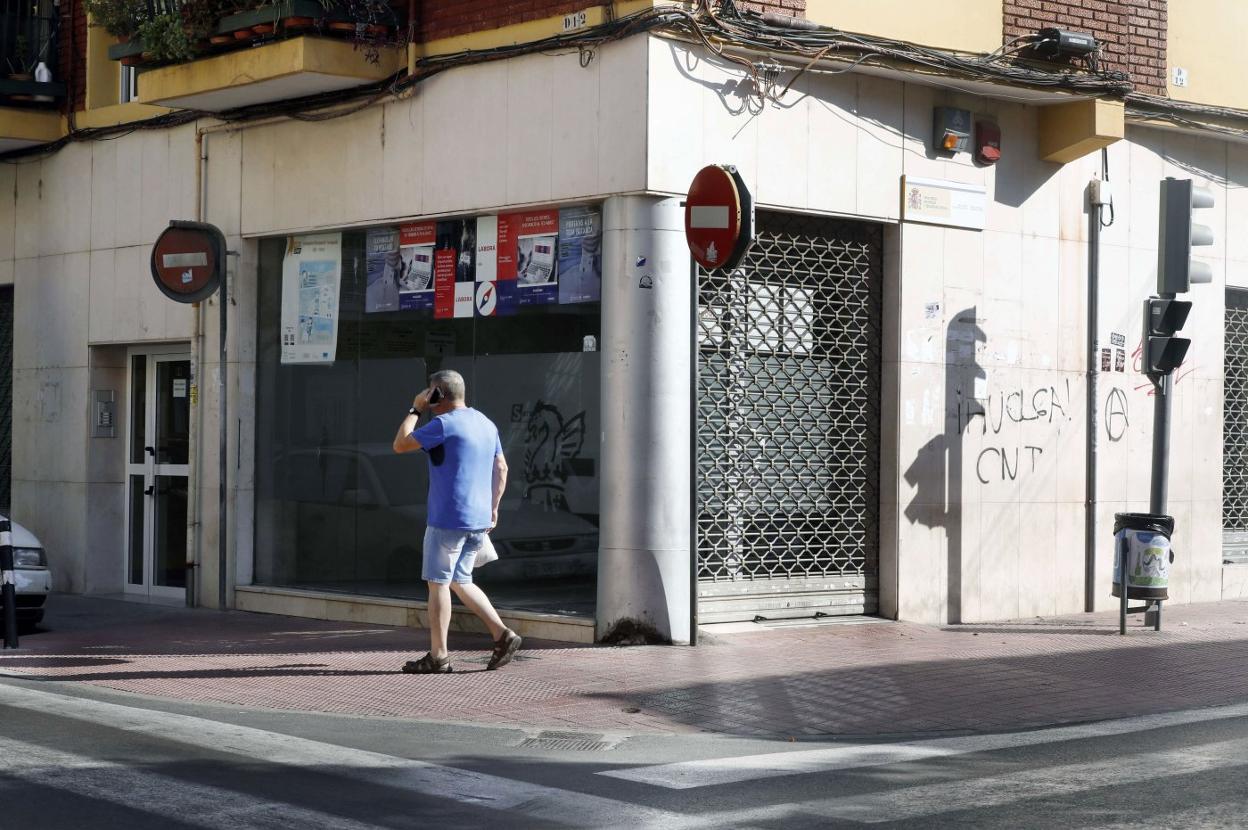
<point>580,255</point>
<point>495,293</point>
<point>311,274</point>
<point>383,267</point>
<point>415,277</point>
<point>536,264</point>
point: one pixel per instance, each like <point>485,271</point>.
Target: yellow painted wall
<point>1207,38</point>
<point>965,25</point>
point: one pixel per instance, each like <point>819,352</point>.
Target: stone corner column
<point>644,554</point>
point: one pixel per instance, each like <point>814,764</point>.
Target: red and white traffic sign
<point>188,261</point>
<point>719,217</point>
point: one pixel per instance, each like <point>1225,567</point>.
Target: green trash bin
<point>1142,543</point>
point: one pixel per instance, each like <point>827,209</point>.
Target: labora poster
<point>310,280</point>
<point>488,265</point>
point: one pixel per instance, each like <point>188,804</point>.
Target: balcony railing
<point>28,40</point>
<point>371,23</point>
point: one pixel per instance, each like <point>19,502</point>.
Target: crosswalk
<point>920,782</point>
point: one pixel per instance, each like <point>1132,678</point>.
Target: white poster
<point>310,280</point>
<point>487,248</point>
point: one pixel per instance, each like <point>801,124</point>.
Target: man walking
<point>467,475</point>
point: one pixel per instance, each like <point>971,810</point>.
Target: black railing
<point>27,37</point>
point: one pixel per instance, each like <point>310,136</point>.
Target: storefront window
<point>336,509</point>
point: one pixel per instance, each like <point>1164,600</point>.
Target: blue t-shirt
<point>461,445</point>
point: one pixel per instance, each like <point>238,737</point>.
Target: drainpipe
<point>195,484</point>
<point>1098,198</point>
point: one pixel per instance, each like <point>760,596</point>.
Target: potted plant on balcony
<point>121,19</point>
<point>166,39</point>
<point>19,61</point>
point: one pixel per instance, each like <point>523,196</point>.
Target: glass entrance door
<point>156,473</point>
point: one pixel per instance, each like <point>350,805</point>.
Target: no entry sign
<point>719,217</point>
<point>188,261</point>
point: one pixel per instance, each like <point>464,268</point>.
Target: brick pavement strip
<point>886,678</point>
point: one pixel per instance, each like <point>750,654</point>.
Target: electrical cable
<point>720,31</point>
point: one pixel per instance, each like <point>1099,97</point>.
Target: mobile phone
<point>435,396</point>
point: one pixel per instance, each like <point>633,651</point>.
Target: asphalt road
<point>78,757</point>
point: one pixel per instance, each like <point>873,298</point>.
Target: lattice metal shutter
<point>6,397</point>
<point>788,424</point>
<point>1235,429</point>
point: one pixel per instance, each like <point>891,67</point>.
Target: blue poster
<point>580,255</point>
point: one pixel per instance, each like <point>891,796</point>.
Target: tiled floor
<point>886,678</point>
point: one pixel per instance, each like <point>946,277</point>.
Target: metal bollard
<point>8,579</point>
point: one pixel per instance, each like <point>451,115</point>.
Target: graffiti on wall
<point>990,414</point>
<point>1117,418</point>
<point>552,454</point>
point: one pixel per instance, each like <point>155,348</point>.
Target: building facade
<point>890,407</point>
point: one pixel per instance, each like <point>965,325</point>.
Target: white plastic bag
<point>486,554</point>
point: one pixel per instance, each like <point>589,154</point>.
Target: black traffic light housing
<point>1163,352</point>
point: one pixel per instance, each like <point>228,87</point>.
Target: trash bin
<point>1142,542</point>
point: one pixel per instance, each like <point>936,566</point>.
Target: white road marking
<point>194,804</point>
<point>465,786</point>
<point>685,775</point>
<point>923,801</point>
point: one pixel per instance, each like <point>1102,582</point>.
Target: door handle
<point>151,488</point>
<point>150,451</point>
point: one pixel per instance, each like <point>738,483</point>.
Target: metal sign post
<point>9,577</point>
<point>189,265</point>
<point>719,229</point>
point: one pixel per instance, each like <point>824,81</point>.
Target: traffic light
<point>1176,234</point>
<point>1163,352</point>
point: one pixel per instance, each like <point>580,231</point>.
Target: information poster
<point>580,255</point>
<point>384,268</point>
<point>310,281</point>
<point>495,284</point>
<point>537,268</point>
<point>454,266</point>
<point>415,277</point>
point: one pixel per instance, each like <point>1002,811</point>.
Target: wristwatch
<point>414,411</point>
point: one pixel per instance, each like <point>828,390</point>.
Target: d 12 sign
<point>719,217</point>
<point>188,261</point>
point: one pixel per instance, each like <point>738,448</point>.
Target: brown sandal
<point>428,665</point>
<point>505,647</point>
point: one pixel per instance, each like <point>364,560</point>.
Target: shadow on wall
<point>936,473</point>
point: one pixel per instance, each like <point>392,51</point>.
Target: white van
<point>32,577</point>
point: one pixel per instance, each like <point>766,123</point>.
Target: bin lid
<point>1155,522</point>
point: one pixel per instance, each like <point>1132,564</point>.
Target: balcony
<point>29,97</point>
<point>214,55</point>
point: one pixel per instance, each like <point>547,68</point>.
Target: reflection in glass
<point>336,509</point>
<point>138,408</point>
<point>173,411</point>
<point>169,532</point>
<point>134,571</point>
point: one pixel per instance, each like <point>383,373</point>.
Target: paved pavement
<point>871,679</point>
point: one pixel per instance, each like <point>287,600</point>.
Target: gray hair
<point>450,382</point>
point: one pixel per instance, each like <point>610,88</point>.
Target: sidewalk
<point>877,678</point>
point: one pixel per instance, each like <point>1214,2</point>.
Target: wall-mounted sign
<point>188,261</point>
<point>941,202</point>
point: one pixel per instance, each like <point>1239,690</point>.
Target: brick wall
<point>1133,32</point>
<point>448,18</point>
<point>792,8</point>
<point>73,19</point>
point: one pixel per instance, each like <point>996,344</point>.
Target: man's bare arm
<point>499,484</point>
<point>403,440</point>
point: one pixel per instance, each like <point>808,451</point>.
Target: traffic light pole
<point>1162,386</point>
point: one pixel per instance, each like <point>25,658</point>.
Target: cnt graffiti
<point>1042,404</point>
